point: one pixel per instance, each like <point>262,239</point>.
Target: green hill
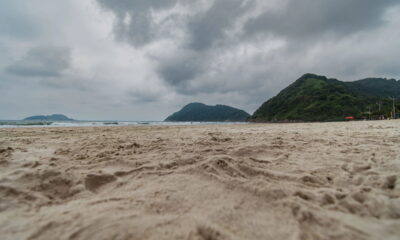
<point>376,87</point>
<point>199,112</point>
<point>53,117</point>
<point>317,98</point>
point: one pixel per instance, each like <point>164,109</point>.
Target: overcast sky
<point>144,59</point>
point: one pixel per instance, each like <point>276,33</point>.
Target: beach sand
<point>252,181</point>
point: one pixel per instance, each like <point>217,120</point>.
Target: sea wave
<point>22,123</point>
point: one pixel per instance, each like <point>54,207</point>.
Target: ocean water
<point>22,123</point>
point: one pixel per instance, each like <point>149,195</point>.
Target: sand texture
<point>256,181</point>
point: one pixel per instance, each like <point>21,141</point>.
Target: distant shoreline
<point>78,123</point>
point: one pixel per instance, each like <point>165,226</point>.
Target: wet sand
<point>256,181</point>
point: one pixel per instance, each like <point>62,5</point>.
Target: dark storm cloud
<point>201,60</point>
<point>42,61</point>
<point>134,19</point>
<point>235,52</point>
<point>144,95</point>
<point>122,7</point>
<point>207,27</point>
<point>307,18</point>
<point>180,67</point>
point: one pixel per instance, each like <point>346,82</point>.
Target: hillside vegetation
<point>199,112</point>
<point>317,98</point>
<point>376,87</point>
<point>53,117</point>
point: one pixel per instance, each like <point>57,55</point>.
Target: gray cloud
<point>123,7</point>
<point>14,22</point>
<point>206,28</point>
<point>134,19</point>
<point>42,61</point>
<point>307,18</point>
<point>162,54</point>
<point>144,95</point>
<point>229,45</point>
<point>177,69</point>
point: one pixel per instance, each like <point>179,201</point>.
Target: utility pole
<point>369,113</point>
<point>379,103</point>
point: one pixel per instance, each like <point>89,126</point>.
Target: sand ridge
<point>256,181</point>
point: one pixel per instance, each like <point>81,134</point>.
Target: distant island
<point>53,117</point>
<point>199,112</point>
<point>318,98</point>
